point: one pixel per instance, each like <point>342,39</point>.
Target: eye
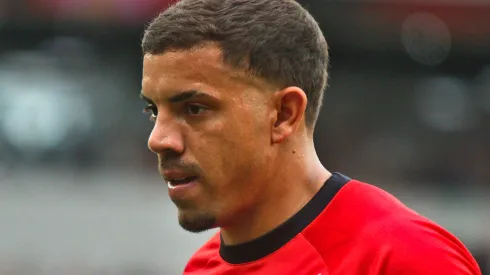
<point>195,109</point>
<point>152,110</point>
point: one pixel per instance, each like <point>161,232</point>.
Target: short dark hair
<point>277,40</point>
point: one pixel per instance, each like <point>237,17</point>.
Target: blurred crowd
<point>408,103</point>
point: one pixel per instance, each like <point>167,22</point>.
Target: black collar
<point>275,239</point>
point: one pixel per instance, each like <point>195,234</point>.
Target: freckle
<point>294,151</point>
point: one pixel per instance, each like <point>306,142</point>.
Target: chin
<point>196,222</point>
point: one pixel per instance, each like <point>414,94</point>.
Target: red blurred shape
<point>129,11</point>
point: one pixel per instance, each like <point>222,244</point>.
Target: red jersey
<point>348,228</point>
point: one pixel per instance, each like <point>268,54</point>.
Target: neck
<point>289,189</point>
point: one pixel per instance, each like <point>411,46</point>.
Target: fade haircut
<point>276,40</point>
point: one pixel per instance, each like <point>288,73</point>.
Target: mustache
<point>186,167</point>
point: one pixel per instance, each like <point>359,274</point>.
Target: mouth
<point>175,182</point>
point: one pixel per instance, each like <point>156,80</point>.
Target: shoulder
<point>405,242</point>
<point>204,254</point>
<point>420,246</point>
<point>395,239</point>
<point>359,205</point>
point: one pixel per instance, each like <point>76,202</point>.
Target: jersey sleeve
<point>427,249</point>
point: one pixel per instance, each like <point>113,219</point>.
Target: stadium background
<point>408,109</point>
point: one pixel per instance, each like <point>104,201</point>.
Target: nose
<point>164,138</point>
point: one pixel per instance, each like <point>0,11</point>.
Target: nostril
<point>163,143</point>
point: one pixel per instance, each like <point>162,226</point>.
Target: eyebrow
<point>179,96</point>
<point>184,95</point>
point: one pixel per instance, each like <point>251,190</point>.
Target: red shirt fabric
<point>348,228</point>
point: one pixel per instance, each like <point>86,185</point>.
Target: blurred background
<point>408,109</point>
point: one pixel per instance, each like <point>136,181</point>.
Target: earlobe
<point>290,108</point>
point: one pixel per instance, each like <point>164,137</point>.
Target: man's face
<point>212,134</point>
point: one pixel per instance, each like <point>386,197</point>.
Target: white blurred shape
<point>39,120</point>
<point>426,38</point>
<point>443,103</point>
<point>40,109</point>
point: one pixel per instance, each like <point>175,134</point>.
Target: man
<point>234,88</point>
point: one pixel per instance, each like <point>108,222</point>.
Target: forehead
<point>198,66</point>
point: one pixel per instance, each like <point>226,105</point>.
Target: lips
<point>176,178</point>
<point>180,181</point>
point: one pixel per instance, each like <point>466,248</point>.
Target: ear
<point>290,106</point>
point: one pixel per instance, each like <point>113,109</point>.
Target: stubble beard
<point>196,222</point>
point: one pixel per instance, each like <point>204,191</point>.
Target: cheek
<point>229,149</point>
<point>242,146</point>
<point>212,147</point>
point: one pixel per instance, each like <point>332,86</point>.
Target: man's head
<point>229,84</point>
